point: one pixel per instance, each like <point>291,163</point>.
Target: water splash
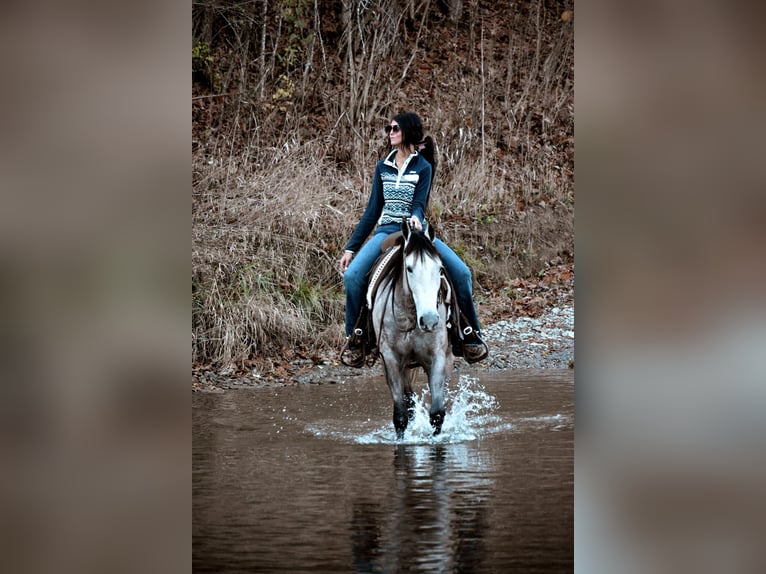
<point>470,415</point>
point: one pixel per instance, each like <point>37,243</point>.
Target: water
<point>312,479</point>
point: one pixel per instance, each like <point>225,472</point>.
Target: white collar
<point>390,158</point>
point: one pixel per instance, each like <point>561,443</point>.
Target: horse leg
<point>400,420</point>
<point>437,406</point>
<point>401,393</point>
<point>404,409</point>
<point>403,413</point>
<point>409,400</point>
<point>438,378</point>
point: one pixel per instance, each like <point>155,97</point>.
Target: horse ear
<point>405,229</point>
<point>430,232</point>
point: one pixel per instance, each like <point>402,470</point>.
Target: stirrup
<point>474,348</point>
<point>353,356</point>
<point>458,340</point>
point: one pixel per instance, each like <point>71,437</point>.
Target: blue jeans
<point>355,277</point>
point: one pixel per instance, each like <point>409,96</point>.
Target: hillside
<point>289,100</point>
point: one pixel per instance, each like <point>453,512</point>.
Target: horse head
<point>423,274</point>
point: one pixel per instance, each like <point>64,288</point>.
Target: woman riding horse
<point>400,188</point>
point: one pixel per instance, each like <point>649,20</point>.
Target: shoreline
<point>543,342</point>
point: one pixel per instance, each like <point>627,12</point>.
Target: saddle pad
<point>379,270</point>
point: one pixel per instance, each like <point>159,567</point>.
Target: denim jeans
<point>355,277</point>
<point>461,280</point>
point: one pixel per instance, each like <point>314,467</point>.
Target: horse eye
<point>409,268</point>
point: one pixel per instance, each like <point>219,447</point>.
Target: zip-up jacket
<point>395,194</point>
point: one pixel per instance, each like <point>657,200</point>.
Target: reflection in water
<point>435,518</point>
<point>311,480</point>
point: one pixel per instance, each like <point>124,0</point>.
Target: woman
<point>400,188</point>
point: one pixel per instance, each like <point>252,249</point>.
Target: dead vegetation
<point>289,99</point>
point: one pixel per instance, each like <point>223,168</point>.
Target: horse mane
<point>420,245</point>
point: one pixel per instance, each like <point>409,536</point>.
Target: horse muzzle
<point>428,321</point>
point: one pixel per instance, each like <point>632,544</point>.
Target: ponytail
<point>427,149</point>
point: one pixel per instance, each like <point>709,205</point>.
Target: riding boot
<point>456,323</point>
<point>355,350</point>
<point>456,339</point>
<point>466,341</point>
<point>474,348</point>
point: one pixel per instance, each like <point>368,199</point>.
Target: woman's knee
<point>461,275</point>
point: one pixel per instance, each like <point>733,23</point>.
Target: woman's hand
<point>415,223</point>
<point>345,260</point>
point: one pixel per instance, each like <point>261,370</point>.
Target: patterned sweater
<point>395,194</point>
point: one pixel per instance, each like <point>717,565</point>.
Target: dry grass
<point>277,190</point>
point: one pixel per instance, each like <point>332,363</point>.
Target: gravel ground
<point>544,342</point>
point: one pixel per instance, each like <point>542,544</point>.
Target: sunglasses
<point>394,129</point>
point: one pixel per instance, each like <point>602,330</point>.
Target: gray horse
<point>410,314</point>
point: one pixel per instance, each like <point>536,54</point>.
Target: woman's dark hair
<point>427,149</point>
<point>412,134</point>
<point>411,126</point>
